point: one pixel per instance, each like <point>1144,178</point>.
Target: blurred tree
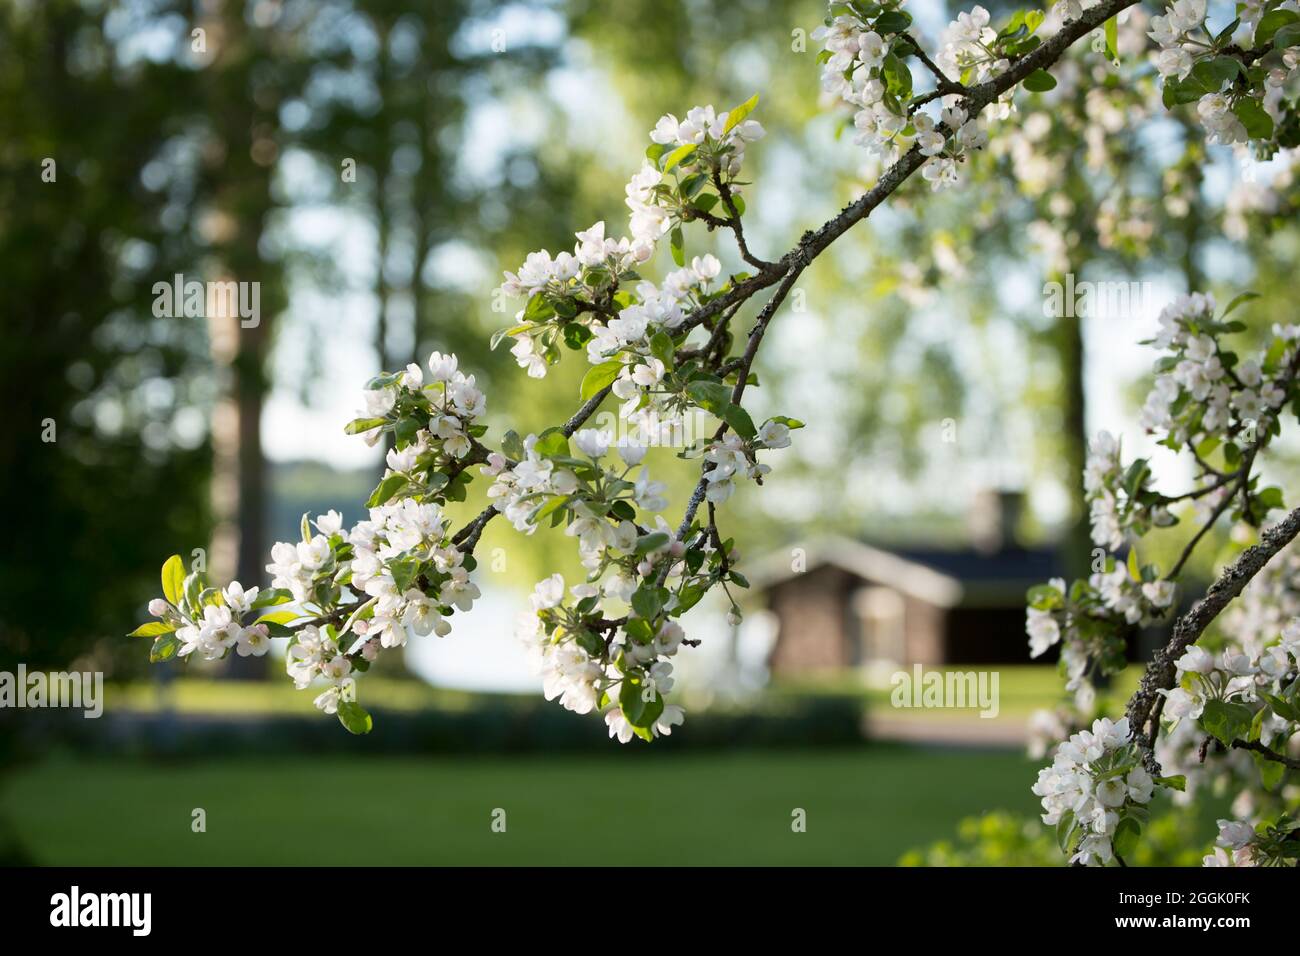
<point>104,457</point>
<point>103,460</point>
<point>248,67</point>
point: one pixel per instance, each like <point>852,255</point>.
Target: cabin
<point>842,603</point>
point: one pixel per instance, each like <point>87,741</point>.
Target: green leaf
<point>1271,22</point>
<point>553,444</point>
<point>1282,707</point>
<point>576,335</point>
<point>1270,771</point>
<point>678,156</point>
<point>1226,720</point>
<point>1213,73</point>
<point>737,116</point>
<point>164,648</point>
<point>385,490</point>
<point>1288,36</point>
<point>1040,81</point>
<point>1241,299</point>
<point>1178,92</point>
<point>899,76</point>
<point>1064,828</point>
<point>1126,836</point>
<point>538,309</point>
<point>500,334</point>
<point>551,505</point>
<point>192,588</point>
<point>269,597</point>
<point>153,629</point>
<point>1270,497</point>
<point>1259,125</point>
<point>359,425</point>
<point>661,347</point>
<point>651,542</point>
<point>892,21</point>
<point>1112,38</point>
<point>512,444</point>
<point>355,717</point>
<point>598,377</point>
<point>739,419</point>
<point>646,601</point>
<point>713,397</point>
<point>687,598</point>
<point>1177,782</point>
<point>676,243</point>
<point>278,617</point>
<point>173,579</point>
<point>639,713</point>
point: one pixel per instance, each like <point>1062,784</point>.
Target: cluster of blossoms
<point>1224,410</point>
<point>599,498</point>
<point>211,622</point>
<point>865,65</point>
<point>1265,844</point>
<point>1203,397</point>
<point>1202,390</point>
<point>969,48</point>
<point>594,298</point>
<point>1239,97</point>
<point>402,572</point>
<point>1096,793</point>
<point>1120,501</point>
<point>733,456</point>
<point>625,675</point>
<point>1091,620</point>
<point>1248,683</point>
<point>591,659</point>
<point>1235,675</point>
<point>434,423</point>
<point>343,595</point>
<point>605,644</point>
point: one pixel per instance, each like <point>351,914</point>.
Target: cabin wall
<point>925,629</point>
<point>813,617</point>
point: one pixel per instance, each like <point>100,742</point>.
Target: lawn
<point>864,806</point>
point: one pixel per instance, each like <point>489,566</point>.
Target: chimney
<point>994,515</point>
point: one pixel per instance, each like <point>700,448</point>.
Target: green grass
<point>1022,689</point>
<point>864,806</point>
<point>201,695</point>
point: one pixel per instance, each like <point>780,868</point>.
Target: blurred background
<point>373,165</point>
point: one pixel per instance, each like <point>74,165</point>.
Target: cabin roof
<point>942,577</point>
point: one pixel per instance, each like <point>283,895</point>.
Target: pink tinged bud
<point>361,627</point>
<point>370,650</point>
<point>677,549</point>
<point>158,607</point>
<point>262,629</point>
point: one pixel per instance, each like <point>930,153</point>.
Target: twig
<point>1160,672</point>
<point>1267,752</point>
